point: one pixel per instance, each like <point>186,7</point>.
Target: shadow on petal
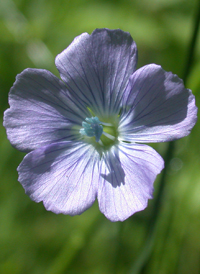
<point>116,175</point>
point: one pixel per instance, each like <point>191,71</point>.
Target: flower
<point>84,134</point>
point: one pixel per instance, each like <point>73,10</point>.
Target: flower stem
<point>143,259</point>
<point>192,44</point>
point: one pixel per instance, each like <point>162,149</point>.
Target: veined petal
<point>62,175</point>
<point>41,111</point>
<point>126,181</point>
<point>158,107</point>
<point>96,68</point>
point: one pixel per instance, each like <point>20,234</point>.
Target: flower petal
<point>41,111</point>
<point>158,107</point>
<point>127,178</point>
<point>96,68</point>
<point>62,175</point>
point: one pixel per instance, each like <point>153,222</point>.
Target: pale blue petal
<point>41,111</point>
<point>62,175</point>
<point>158,107</point>
<point>126,182</point>
<point>96,68</point>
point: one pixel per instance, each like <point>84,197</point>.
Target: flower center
<point>105,134</point>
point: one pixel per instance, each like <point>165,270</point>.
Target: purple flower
<point>83,134</point>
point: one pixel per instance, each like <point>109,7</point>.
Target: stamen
<point>109,136</point>
<point>106,124</point>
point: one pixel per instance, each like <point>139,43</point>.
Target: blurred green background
<point>34,241</point>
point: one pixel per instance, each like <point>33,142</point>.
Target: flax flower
<point>84,134</point>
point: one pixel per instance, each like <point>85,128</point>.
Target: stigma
<point>92,127</point>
